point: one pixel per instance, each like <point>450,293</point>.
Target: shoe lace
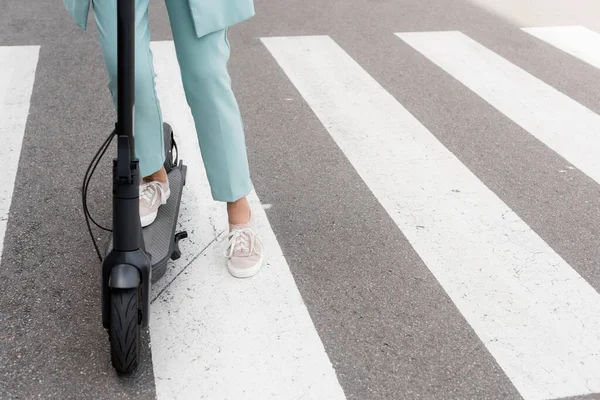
<point>147,190</point>
<point>243,239</point>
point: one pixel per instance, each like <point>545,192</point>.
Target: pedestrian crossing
<point>213,336</point>
<point>500,274</point>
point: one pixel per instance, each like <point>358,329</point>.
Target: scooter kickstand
<point>176,252</point>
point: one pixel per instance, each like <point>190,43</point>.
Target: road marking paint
<point>534,313</point>
<point>17,76</point>
<point>565,126</point>
<point>578,41</point>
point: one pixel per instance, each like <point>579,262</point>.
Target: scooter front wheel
<point>124,330</point>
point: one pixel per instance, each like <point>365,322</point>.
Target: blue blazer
<point>208,15</point>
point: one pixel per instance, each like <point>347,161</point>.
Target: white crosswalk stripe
<point>17,74</point>
<point>217,337</point>
<point>578,41</point>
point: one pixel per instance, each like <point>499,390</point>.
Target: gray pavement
<point>387,325</point>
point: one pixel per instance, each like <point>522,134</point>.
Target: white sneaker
<point>245,253</point>
<point>152,196</point>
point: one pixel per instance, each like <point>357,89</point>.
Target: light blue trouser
<point>207,84</point>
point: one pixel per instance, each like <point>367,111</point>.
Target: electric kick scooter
<point>135,257</point>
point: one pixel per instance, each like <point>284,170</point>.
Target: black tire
<point>124,329</point>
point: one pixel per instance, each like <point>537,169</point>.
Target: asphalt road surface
<point>426,179</point>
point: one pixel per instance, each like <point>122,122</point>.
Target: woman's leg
<point>203,63</point>
<point>149,147</point>
<point>207,84</point>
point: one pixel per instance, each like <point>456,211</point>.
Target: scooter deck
<point>160,239</point>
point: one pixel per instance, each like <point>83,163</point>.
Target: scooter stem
<point>125,70</point>
<point>127,230</point>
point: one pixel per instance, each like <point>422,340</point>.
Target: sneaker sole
<point>246,272</point>
<point>150,218</point>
